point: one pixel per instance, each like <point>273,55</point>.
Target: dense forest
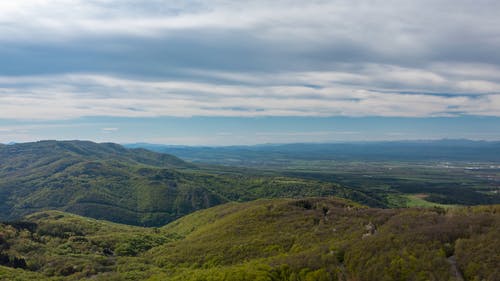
<point>273,239</point>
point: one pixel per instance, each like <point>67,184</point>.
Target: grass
<point>418,200</point>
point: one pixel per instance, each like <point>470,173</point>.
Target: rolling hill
<point>271,239</point>
<point>131,186</point>
<point>76,210</point>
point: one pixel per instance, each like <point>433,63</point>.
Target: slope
<point>278,239</point>
<point>132,186</point>
<point>331,239</point>
<point>97,180</point>
<point>52,245</point>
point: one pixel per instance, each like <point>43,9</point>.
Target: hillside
<point>279,239</point>
<point>330,239</point>
<point>132,186</point>
<point>54,244</point>
<point>38,154</point>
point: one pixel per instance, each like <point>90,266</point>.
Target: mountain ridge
<point>133,186</point>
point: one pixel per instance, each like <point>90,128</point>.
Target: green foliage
<point>137,187</point>
<point>312,237</point>
<point>139,244</point>
<point>11,274</point>
<point>479,256</point>
<point>412,244</point>
<point>449,172</point>
<point>71,246</point>
<point>272,240</point>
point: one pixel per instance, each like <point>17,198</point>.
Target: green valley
<point>324,140</point>
<point>132,186</point>
<point>77,210</point>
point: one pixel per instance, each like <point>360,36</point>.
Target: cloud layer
<point>248,58</point>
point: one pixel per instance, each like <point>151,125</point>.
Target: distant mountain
<point>267,154</point>
<point>33,155</point>
<point>132,186</point>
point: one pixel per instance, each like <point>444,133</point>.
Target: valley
<point>324,140</point>
<point>77,210</point>
<point>133,186</point>
<point>450,172</point>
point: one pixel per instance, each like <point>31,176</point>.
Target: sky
<point>224,72</point>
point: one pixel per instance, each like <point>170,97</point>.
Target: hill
<point>108,181</point>
<point>278,239</point>
<point>38,154</point>
<point>332,239</point>
<point>132,186</point>
<point>52,245</point>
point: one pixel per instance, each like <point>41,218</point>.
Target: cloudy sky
<point>241,72</point>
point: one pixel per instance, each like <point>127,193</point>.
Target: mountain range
<point>269,154</point>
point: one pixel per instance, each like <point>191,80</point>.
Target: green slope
<point>59,245</point>
<point>331,239</point>
<point>279,239</point>
<point>97,180</point>
<point>132,186</point>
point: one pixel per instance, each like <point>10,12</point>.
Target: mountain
<point>280,154</point>
<point>269,240</point>
<point>35,155</point>
<point>97,180</point>
<point>132,186</point>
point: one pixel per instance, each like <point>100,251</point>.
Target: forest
<point>80,210</point>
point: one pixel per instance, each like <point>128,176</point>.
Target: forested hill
<point>269,240</point>
<point>132,186</point>
<point>33,155</point>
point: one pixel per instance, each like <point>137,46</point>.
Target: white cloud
<point>109,130</point>
<point>290,94</point>
<point>388,27</point>
<point>315,58</point>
